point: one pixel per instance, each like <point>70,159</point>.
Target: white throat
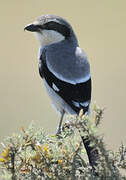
<point>47,37</point>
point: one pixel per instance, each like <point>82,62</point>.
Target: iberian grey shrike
<point>63,65</point>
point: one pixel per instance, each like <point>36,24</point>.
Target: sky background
<point>101,30</point>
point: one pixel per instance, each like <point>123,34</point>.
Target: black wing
<point>78,96</point>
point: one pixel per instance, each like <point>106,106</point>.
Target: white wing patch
<point>84,104</point>
<point>55,87</point>
<point>76,103</point>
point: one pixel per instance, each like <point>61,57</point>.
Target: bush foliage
<point>78,153</point>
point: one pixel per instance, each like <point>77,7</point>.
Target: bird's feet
<point>58,130</point>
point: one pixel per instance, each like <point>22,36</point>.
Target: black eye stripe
<point>65,31</point>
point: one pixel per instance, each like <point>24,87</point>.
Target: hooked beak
<point>32,28</point>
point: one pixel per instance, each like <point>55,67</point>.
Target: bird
<point>63,65</point>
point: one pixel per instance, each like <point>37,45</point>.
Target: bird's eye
<point>49,25</point>
<point>39,27</point>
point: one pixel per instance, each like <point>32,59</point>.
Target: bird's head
<point>51,29</point>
